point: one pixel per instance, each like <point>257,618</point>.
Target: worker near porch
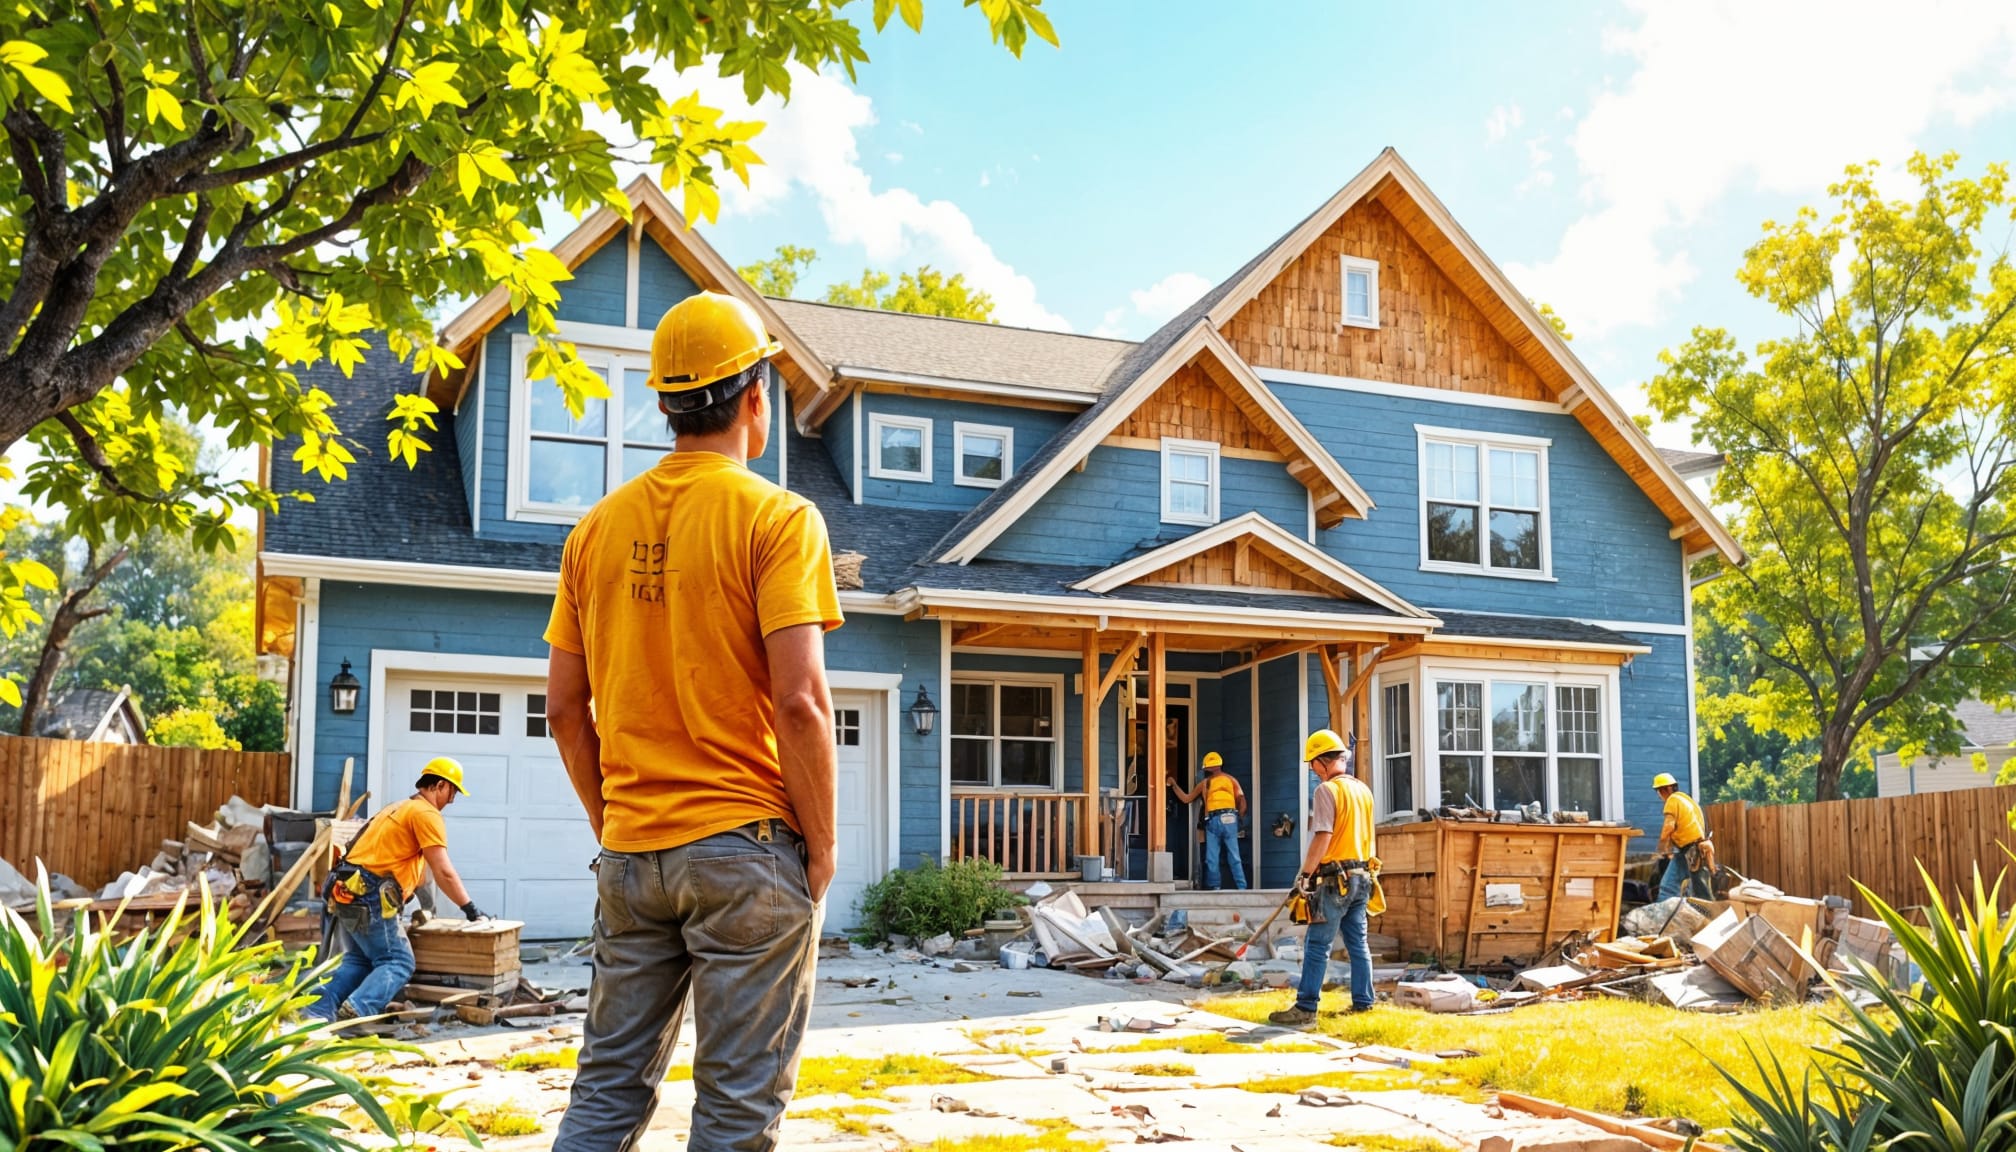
<point>1684,848</point>
<point>379,873</point>
<point>1224,807</point>
<point>692,609</point>
<point>1336,876</point>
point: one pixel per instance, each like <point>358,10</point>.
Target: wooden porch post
<point>1332,689</point>
<point>1156,749</point>
<point>1361,719</point>
<point>1089,699</point>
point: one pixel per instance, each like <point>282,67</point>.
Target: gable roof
<point>90,713</point>
<point>652,214</point>
<point>870,344</point>
<point>1310,463</point>
<point>1263,535</point>
<point>1688,464</point>
<point>1423,215</point>
<point>1984,726</point>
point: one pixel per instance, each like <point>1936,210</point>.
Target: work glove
<point>472,912</point>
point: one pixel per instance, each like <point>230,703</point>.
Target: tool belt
<point>354,893</point>
<point>1698,856</point>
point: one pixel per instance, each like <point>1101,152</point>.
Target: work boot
<point>345,1012</point>
<point>1292,1017</point>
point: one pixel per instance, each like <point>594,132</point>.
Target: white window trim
<point>1424,434</point>
<point>1172,447</point>
<point>617,353</point>
<point>1428,752</point>
<point>960,430</point>
<point>995,680</point>
<point>1398,674</point>
<point>1350,264</point>
<point>877,421</point>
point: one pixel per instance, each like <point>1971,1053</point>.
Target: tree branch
<point>94,457</point>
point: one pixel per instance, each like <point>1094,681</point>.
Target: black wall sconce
<point>343,690</point>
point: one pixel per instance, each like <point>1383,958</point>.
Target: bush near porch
<point>932,899</point>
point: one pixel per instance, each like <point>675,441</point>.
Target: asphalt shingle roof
<point>867,338</point>
<point>1057,579</point>
<point>1984,726</point>
<point>891,539</point>
<point>77,714</point>
<point>1689,463</point>
<point>1483,626</point>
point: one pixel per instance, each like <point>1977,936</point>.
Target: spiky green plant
<point>1932,1069</point>
<point>174,1044</point>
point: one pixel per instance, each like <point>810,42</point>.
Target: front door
<point>857,737</point>
<point>1179,762</point>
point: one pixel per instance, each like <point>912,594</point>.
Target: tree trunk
<point>70,612</point>
<point>1835,747</point>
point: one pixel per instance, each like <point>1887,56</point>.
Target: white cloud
<point>1149,307</point>
<point>1730,96</point>
<point>1502,121</point>
<point>1539,159</point>
<point>893,157</point>
<point>913,126</point>
<point>813,145</point>
<point>985,179</point>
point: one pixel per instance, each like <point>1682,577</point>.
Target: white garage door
<point>859,855</point>
<point>519,838</point>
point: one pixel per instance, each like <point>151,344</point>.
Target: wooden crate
<point>1570,879</point>
<point>479,948</point>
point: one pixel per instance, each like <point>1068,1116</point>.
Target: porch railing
<point>1029,834</point>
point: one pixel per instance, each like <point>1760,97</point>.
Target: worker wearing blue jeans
<point>1336,875</point>
<point>1224,804</point>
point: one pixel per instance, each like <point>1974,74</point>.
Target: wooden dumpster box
<point>1474,893</point>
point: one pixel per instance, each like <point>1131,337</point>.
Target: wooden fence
<point>92,811</point>
<point>1822,849</point>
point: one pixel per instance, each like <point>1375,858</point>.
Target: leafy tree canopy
<point>925,292</point>
<point>778,276</point>
<point>1871,465</point>
<point>330,171</point>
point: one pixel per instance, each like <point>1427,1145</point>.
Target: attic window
<point>1361,292</point>
<point>1189,482</point>
<point>562,464</point>
<point>984,454</point>
<point>901,447</point>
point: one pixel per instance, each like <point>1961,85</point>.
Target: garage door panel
<point>554,902</point>
<point>488,895</point>
<point>479,845</point>
<point>542,780</point>
<point>550,847</point>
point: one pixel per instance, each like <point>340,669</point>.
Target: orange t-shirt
<point>668,587</point>
<point>393,844</point>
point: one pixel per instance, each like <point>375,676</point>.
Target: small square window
<point>983,455</point>
<point>899,447</point>
<point>444,711</point>
<point>535,715</point>
<point>1189,482</point>
<point>422,722</point>
<point>1361,293</point>
<point>847,727</point>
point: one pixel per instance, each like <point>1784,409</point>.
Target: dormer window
<point>1189,482</point>
<point>1361,292</point>
<point>901,447</point>
<point>561,464</point>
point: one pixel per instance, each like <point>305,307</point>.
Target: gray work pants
<point>729,921</point>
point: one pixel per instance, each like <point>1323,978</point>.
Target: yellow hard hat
<point>1213,760</point>
<point>705,338</point>
<point>1664,780</point>
<point>1321,742</point>
<point>447,768</point>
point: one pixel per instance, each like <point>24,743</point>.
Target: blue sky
<point>1616,159</point>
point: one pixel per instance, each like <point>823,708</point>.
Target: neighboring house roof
<point>1985,727</point>
<point>870,344</point>
<point>92,714</point>
<point>1689,464</point>
<point>1132,383</point>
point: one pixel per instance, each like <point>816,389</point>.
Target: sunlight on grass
<point>1059,1139</point>
<point>1213,1044</point>
<point>541,1060</point>
<point>1606,1055</point>
<point>870,1077</point>
<point>1163,1070</point>
<point>1438,1082</point>
<point>678,1073</point>
<point>1386,1142</point>
<point>849,1120</point>
<point>503,1120</point>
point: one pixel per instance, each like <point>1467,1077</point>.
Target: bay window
<point>1505,740</point>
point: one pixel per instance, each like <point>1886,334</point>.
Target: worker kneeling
<point>366,891</point>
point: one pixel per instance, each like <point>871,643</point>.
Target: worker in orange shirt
<point>1336,876</point>
<point>1686,854</point>
<point>1224,807</point>
<point>692,610</point>
<point>379,873</point>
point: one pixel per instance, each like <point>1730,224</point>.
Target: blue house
<point>1359,483</point>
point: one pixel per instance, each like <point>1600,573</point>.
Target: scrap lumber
<point>1658,1138</point>
<point>438,994</point>
<point>270,908</point>
<point>1117,928</point>
<point>1064,929</point>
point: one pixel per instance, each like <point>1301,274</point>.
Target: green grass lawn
<point>1612,1056</point>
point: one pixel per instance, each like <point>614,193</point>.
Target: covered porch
<point>1049,749</point>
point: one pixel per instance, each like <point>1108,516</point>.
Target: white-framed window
<point>1005,732</point>
<point>983,455</point>
<point>1503,739</point>
<point>1484,503</point>
<point>1361,292</point>
<point>899,447</point>
<point>1396,746</point>
<point>561,464</point>
<point>1189,482</point>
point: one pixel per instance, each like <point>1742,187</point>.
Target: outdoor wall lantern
<point>343,689</point>
<point>923,713</point>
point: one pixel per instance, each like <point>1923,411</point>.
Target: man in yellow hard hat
<point>379,873</point>
<point>1224,806</point>
<point>692,609</point>
<point>1336,876</point>
<point>1684,852</point>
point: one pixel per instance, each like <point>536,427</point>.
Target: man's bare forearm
<point>811,769</point>
<point>581,751</point>
<point>1319,846</point>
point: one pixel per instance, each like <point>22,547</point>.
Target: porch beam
<point>1157,745</point>
<point>1333,691</point>
<point>1362,661</point>
<point>979,634</point>
<point>1237,634</point>
<point>1088,815</point>
<point>1123,663</point>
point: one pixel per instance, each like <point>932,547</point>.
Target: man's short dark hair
<point>429,781</point>
<point>719,416</point>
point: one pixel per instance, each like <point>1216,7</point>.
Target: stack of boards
<point>471,964</point>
